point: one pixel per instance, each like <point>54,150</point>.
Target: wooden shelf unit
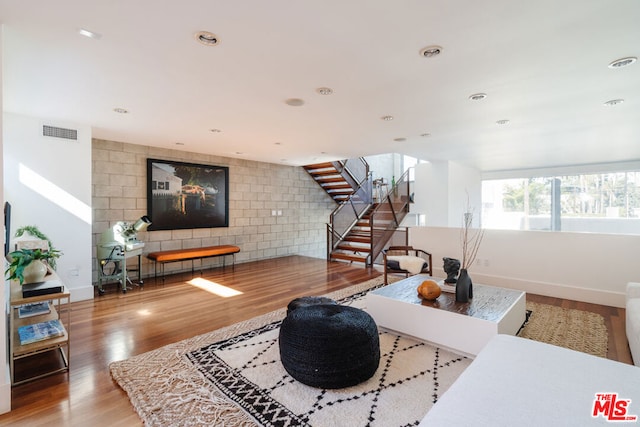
<point>19,351</point>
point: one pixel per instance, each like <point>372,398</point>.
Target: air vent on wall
<point>59,132</point>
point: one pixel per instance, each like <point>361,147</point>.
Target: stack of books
<point>40,331</point>
<point>35,309</point>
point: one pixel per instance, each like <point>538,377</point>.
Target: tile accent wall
<point>119,193</point>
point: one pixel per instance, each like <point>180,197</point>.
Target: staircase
<point>359,229</point>
<point>334,178</point>
<point>356,245</point>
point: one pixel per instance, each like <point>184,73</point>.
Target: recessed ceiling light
<point>402,139</point>
<point>431,51</point>
<point>324,90</point>
<point>478,96</point>
<point>503,122</point>
<point>613,102</point>
<point>294,102</point>
<point>120,110</point>
<point>386,118</point>
<point>623,62</point>
<point>206,38</point>
<point>89,34</point>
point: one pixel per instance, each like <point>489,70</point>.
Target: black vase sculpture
<point>464,287</point>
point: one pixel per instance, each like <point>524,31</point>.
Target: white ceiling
<point>543,65</point>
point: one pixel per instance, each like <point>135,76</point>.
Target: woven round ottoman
<point>305,301</point>
<point>329,345</point>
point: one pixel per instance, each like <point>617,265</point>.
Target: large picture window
<point>186,195</point>
<point>601,203</point>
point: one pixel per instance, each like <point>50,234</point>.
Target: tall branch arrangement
<point>471,238</point>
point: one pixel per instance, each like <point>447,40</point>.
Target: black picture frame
<point>184,195</point>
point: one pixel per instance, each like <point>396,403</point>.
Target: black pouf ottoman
<point>305,301</point>
<point>329,345</point>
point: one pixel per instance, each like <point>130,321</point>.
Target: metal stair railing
<point>347,214</point>
<point>387,216</point>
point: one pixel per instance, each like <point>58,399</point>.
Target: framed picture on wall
<point>186,195</point>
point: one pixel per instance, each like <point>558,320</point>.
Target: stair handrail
<point>354,171</point>
<point>397,203</point>
<point>359,202</point>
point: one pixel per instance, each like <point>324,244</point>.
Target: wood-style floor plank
<point>117,326</point>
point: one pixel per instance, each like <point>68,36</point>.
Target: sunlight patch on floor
<point>214,288</point>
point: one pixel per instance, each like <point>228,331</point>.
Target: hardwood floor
<point>117,326</point>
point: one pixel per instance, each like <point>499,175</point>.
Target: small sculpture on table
<point>451,267</point>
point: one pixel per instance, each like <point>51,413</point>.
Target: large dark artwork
<point>186,195</point>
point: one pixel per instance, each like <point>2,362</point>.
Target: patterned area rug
<point>233,377</point>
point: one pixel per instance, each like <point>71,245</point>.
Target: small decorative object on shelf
<point>429,290</point>
<point>451,267</point>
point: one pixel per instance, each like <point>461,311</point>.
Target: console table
<point>463,327</point>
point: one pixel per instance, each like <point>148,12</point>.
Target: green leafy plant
<point>22,258</point>
<point>35,232</point>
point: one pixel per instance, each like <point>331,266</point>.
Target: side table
<point>18,351</point>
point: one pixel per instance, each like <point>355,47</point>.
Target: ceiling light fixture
<point>503,122</point>
<point>89,34</point>
<point>430,51</point>
<point>324,91</point>
<point>402,139</point>
<point>478,96</point>
<point>623,62</point>
<point>386,118</point>
<point>215,130</point>
<point>613,102</point>
<point>294,102</point>
<point>120,110</point>
<point>206,38</point>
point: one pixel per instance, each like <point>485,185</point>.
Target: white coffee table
<point>463,327</point>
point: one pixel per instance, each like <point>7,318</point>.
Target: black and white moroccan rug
<point>410,378</point>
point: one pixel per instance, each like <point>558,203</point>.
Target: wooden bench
<point>163,257</point>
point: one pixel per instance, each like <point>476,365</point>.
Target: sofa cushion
<point>516,381</point>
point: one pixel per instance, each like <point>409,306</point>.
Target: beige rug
<point>575,329</point>
<point>193,382</point>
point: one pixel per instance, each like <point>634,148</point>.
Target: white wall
<point>5,379</point>
<point>586,267</point>
<point>48,183</point>
<point>442,191</point>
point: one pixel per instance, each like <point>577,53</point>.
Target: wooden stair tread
<point>348,257</point>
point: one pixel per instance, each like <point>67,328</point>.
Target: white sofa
<point>633,320</point>
<point>516,381</point>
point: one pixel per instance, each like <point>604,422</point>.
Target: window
<point>602,203</point>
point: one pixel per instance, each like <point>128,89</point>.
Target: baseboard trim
<point>556,290</point>
<point>5,395</point>
<point>81,294</point>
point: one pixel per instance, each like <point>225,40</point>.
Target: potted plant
<point>30,265</point>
